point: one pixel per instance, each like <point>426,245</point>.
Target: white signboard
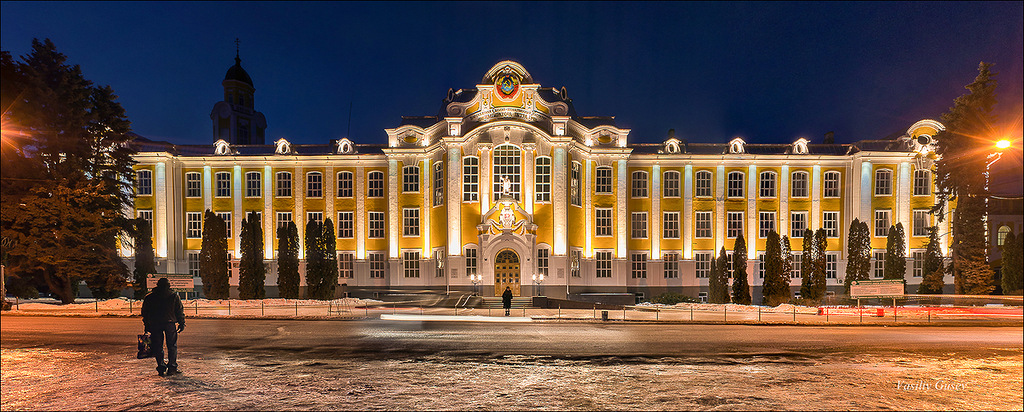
<point>180,282</point>
<point>876,288</point>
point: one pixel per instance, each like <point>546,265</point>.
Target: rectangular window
<point>284,184</point>
<point>226,217</point>
<point>438,183</point>
<point>639,184</point>
<point>284,218</point>
<point>410,179</point>
<point>671,225</point>
<point>315,217</point>
<point>411,264</point>
<point>345,269</point>
<point>766,223</point>
<point>604,264</point>
<point>879,263</point>
<point>702,225</point>
<point>734,224</point>
<point>638,265</point>
<point>193,263</point>
<point>574,185</point>
<point>831,184</point>
<point>881,223</point>
<point>193,184</point>
<point>345,224</point>
<point>797,262</point>
<point>439,264</point>
<point>703,184</point>
<point>542,261</point>
<point>314,184</point>
<point>575,257</point>
<point>223,180</point>
<point>922,183</point>
<point>830,222</point>
<point>883,182</point>
<point>918,263</point>
<point>703,263</point>
<point>543,177</point>
<point>728,263</point>
<point>603,222</point>
<point>376,265</point>
<point>470,179</point>
<point>375,184</point>
<point>345,184</point>
<point>639,225</point>
<point>507,165</point>
<point>411,222</point>
<point>147,215</point>
<point>671,184</point>
<point>253,186</point>
<point>603,182</point>
<point>470,261</point>
<point>760,265</point>
<point>922,222</point>
<point>736,184</point>
<point>376,225</point>
<point>143,182</point>
<point>671,265</point>
<point>797,224</point>
<point>831,265</point>
<point>799,184</point>
<point>194,225</point>
<point>767,184</point>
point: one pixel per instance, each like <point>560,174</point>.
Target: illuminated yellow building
<point>508,186</point>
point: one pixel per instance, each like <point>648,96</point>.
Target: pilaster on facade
<point>207,188</point>
<point>360,215</point>
<point>485,177</point>
<point>904,212</point>
<point>454,193</point>
<point>656,227</point>
<point>588,207</point>
<point>719,207</point>
<point>815,197</point>
<point>330,186</point>
<point>751,230</point>
<point>687,219</point>
<point>394,228</point>
<point>427,179</point>
<point>621,213</point>
<point>559,201</point>
<point>236,216</point>
<point>866,174</point>
<point>269,222</point>
<point>160,213</point>
<point>784,183</point>
<point>528,175</point>
<point>298,215</point>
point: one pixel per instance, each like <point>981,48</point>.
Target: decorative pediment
<point>673,146</point>
<point>222,148</point>
<point>345,146</point>
<point>736,146</point>
<point>800,146</point>
<point>282,147</point>
<point>506,216</point>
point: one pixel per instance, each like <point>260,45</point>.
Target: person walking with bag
<point>161,310</point>
<point>506,300</point>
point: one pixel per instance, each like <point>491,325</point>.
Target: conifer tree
<point>713,280</point>
<point>330,245</point>
<point>145,262</point>
<point>776,282</point>
<point>315,258</point>
<point>252,275</point>
<point>213,257</point>
<point>932,280</point>
<point>1013,264</point>
<point>807,265</point>
<point>718,285</point>
<point>740,285</point>
<point>787,266</point>
<point>858,252</point>
<point>895,254</point>
<point>818,272</point>
<point>288,261</point>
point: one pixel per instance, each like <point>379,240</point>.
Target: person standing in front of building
<point>161,310</point>
<point>506,300</point>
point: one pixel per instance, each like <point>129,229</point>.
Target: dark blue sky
<point>770,72</point>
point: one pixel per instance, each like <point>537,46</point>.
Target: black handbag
<point>145,348</point>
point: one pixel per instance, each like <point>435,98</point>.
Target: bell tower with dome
<point>235,119</point>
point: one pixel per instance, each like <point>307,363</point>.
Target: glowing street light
<point>1003,144</point>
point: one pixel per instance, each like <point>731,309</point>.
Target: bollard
<point>328,308</point>
<point>559,311</point>
<point>826,315</point>
<point>129,307</point>
<point>262,313</point>
<point>421,310</point>
<point>794,313</point>
<point>296,308</point>
<point>604,315</point>
<point>623,313</point>
<point>197,306</point>
<point>488,311</point>
<point>595,311</point>
<point>725,315</point>
<point>97,302</point>
<point>656,313</point>
<point>758,313</point>
<point>524,311</point>
<point>229,307</point>
<point>929,315</point>
<point>691,313</point>
<point>17,302</point>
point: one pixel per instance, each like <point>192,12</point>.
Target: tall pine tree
<point>807,266</point>
<point>895,254</point>
<point>858,253</point>
<point>145,262</point>
<point>787,265</point>
<point>820,263</point>
<point>776,282</point>
<point>315,259</point>
<point>932,280</point>
<point>330,243</point>
<point>213,257</point>
<point>740,284</point>
<point>252,275</point>
<point>718,285</point>
<point>288,261</point>
<point>1013,264</point>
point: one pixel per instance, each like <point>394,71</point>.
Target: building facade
<point>508,186</point>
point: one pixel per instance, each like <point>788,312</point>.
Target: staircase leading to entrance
<point>495,302</point>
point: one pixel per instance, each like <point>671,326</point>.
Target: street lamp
<point>992,158</point>
<point>537,280</point>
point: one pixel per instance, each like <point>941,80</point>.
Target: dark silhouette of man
<point>506,299</point>
<point>160,311</point>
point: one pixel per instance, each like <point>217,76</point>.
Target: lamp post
<point>537,280</point>
<point>992,158</point>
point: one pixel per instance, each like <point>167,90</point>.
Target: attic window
<point>221,148</point>
<point>800,146</point>
<point>736,146</point>
<point>282,146</point>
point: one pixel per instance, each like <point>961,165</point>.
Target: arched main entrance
<point>506,272</point>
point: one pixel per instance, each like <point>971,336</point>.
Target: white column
<point>454,194</point>
<point>783,194</point>
<point>656,229</point>
<point>269,220</point>
<point>236,216</point>
<point>528,176</point>
<point>426,176</point>
<point>588,207</point>
<point>751,231</point>
<point>485,180</point>
<point>393,211</point>
<point>360,215</point>
<point>622,216</point>
<point>866,214</point>
<point>330,186</point>
<point>816,197</point>
<point>558,201</point>
<point>719,208</point>
<point>903,191</point>
<point>207,188</point>
<point>160,216</point>
<point>298,210</point>
<point>687,217</point>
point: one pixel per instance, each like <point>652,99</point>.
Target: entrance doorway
<point>506,272</point>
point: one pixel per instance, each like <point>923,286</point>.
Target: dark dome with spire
<point>236,72</point>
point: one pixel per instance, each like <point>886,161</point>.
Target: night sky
<point>768,72</point>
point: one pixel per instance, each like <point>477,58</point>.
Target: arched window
<point>671,184</point>
<point>767,184</point>
<point>314,184</point>
<point>345,184</point>
<point>703,186</point>
<point>639,183</point>
<point>922,182</point>
<point>507,164</point>
<point>470,178</point>
<point>542,176</point>
<point>831,184</point>
<point>883,182</point>
<point>735,184</point>
<point>1004,230</point>
<point>799,184</point>
<point>375,184</point>
<point>411,179</point>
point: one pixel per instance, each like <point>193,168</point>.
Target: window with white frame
<point>702,225</point>
<point>470,179</point>
<point>411,263</point>
<point>638,265</point>
<point>735,184</point>
<point>879,263</point>
<point>314,184</point>
<point>375,223</point>
<point>315,217</point>
<point>604,263</point>
<point>543,179</point>
<point>603,222</point>
<point>1001,234</point>
<point>143,182</point>
<point>881,223</point>
<point>284,184</point>
<point>728,263</point>
<point>639,225</point>
<point>639,184</point>
<point>410,222</point>
<point>767,184</point>
<point>438,183</point>
<point>376,264</point>
<point>470,261</point>
<point>702,188</point>
<point>798,258</point>
<point>883,182</point>
<point>670,223</point>
<point>797,224</point>
<point>918,256</point>
<point>193,263</point>
<point>575,257</point>
<point>345,268</point>
<point>439,265</point>
<point>703,264</point>
<point>603,181</point>
<point>147,215</point>
<point>252,184</point>
<point>507,163</point>
<point>345,184</point>
<point>542,261</point>
<point>575,196</point>
<point>831,265</point>
<point>223,184</point>
<point>410,179</point>
<point>194,225</point>
<point>375,184</point>
<point>226,217</point>
<point>830,222</point>
<point>766,223</point>
<point>734,224</point>
<point>345,224</point>
<point>671,184</point>
<point>671,265</point>
<point>798,186</point>
<point>760,265</point>
<point>830,187</point>
<point>193,184</point>
<point>922,182</point>
<point>283,219</point>
<point>922,221</point>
